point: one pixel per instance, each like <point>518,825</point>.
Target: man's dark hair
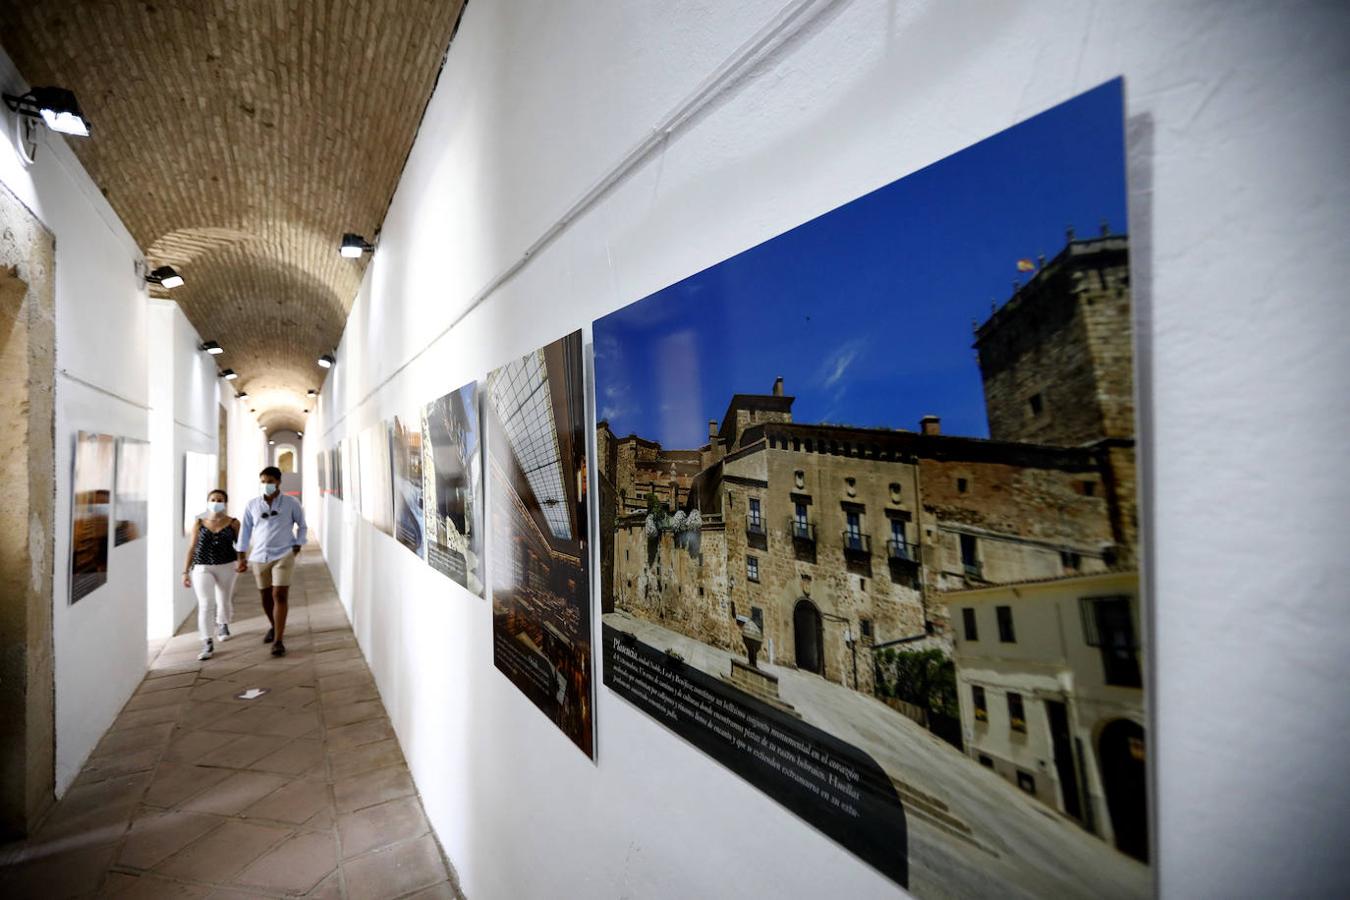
<point>271,470</point>
<point>218,491</point>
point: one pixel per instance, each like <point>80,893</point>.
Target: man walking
<point>270,541</point>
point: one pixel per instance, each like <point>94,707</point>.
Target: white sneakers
<point>223,632</point>
<point>208,650</point>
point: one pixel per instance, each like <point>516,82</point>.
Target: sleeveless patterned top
<point>214,548</point>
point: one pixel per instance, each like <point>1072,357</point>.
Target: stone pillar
<point>27,522</point>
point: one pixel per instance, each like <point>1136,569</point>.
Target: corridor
<point>195,792</point>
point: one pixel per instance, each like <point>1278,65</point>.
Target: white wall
<point>186,392</point>
<point>1238,124</point>
<point>100,386</point>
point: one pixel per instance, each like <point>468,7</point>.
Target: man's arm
<point>302,534</point>
<point>245,533</point>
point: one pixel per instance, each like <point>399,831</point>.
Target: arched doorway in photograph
<point>808,637</point>
<point>286,458</point>
<point>1125,781</point>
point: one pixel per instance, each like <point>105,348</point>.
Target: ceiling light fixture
<point>165,277</point>
<point>53,105</point>
<point>311,393</point>
<point>327,360</point>
<point>212,347</point>
<point>353,245</point>
<point>229,374</point>
<point>243,395</point>
<point>299,434</point>
<point>271,442</point>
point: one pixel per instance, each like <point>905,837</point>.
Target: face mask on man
<point>216,507</point>
<point>268,488</point>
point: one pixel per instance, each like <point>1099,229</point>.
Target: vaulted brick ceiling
<point>238,140</point>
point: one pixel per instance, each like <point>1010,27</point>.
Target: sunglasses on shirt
<point>268,515</point>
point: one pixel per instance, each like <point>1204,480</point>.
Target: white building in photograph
<point>1050,679</point>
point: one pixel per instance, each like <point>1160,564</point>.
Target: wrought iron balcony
<point>856,543</point>
<point>754,526</point>
<point>902,551</point>
<point>802,531</point>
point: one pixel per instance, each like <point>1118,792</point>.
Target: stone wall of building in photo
<point>868,518</point>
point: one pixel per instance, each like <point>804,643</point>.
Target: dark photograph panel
<point>91,503</point>
<point>868,518</point>
<point>452,487</point>
<point>535,424</point>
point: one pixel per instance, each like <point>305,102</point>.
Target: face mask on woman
<point>216,506</point>
<point>268,488</point>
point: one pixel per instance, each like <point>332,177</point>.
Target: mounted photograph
<point>534,420</point>
<point>452,487</point>
<point>868,522</point>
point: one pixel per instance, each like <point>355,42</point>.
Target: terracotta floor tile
<point>167,682</point>
<point>154,716</point>
<point>94,813</point>
<point>150,887</point>
<point>443,891</point>
<point>295,758</point>
<point>176,782</point>
<point>355,760</point>
<point>328,889</point>
<point>130,740</point>
<point>235,794</point>
<point>295,866</point>
<point>380,826</point>
<point>204,714</point>
<point>371,788</point>
<point>351,713</point>
<point>111,765</point>
<point>344,680</point>
<point>241,752</point>
<point>346,736</point>
<point>344,696</point>
<point>155,699</point>
<point>68,874</point>
<point>396,870</point>
<point>189,746</point>
<point>223,853</point>
<point>296,802</point>
<point>156,836</point>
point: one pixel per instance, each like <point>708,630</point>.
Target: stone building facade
<point>837,539</point>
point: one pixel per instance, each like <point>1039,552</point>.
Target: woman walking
<point>209,569</point>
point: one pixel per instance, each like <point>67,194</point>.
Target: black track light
<point>53,105</point>
<point>212,347</point>
<point>165,277</point>
<point>327,360</point>
<point>353,245</point>
<point>229,374</point>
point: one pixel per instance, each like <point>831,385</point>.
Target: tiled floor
<point>194,793</point>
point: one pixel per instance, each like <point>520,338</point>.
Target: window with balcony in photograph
<point>1016,717</point>
<point>1005,624</point>
<point>801,523</point>
<point>968,620</point>
<point>752,568</point>
<point>1108,624</point>
<point>754,521</point>
<point>970,555</point>
<point>900,548</point>
<point>853,536</point>
<point>981,706</point>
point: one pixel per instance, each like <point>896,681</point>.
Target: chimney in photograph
<point>778,386</point>
<point>930,425</point>
<point>712,431</point>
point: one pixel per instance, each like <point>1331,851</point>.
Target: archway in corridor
<point>1125,781</point>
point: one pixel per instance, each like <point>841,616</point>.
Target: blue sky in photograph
<point>866,311</point>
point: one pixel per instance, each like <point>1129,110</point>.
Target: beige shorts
<point>276,573</point>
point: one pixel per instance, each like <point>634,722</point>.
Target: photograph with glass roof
<point>868,522</point>
<point>535,423</point>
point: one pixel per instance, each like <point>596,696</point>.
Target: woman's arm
<point>192,548</point>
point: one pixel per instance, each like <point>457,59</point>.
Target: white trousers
<point>215,595</point>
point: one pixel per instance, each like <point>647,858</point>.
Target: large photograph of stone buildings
<point>871,484</point>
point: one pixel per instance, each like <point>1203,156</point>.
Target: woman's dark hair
<point>271,470</point>
<point>219,491</point>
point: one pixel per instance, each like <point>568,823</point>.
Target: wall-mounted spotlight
<point>242,395</point>
<point>304,410</point>
<point>53,105</point>
<point>311,393</point>
<point>212,347</point>
<point>353,245</point>
<point>261,427</point>
<point>165,277</point>
<point>327,360</point>
<point>299,434</point>
<point>229,374</point>
<point>270,443</point>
